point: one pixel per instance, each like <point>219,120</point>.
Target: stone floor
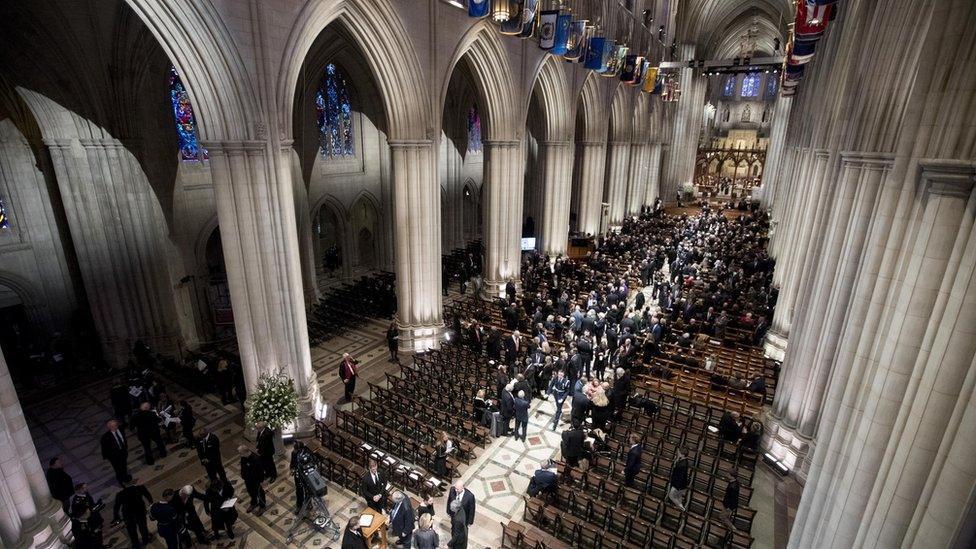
<point>70,424</point>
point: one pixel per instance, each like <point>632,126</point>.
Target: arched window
<point>771,84</point>
<point>725,115</point>
<point>750,85</point>
<point>747,114</point>
<point>729,87</point>
<point>186,125</point>
<point>334,114</point>
<point>474,130</point>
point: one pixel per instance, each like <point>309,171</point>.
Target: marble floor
<point>69,425</point>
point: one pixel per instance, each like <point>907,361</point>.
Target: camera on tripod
<point>308,474</point>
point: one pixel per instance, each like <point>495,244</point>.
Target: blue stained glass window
<point>771,84</point>
<point>186,125</point>
<point>474,130</point>
<point>334,114</point>
<point>729,87</point>
<point>750,85</point>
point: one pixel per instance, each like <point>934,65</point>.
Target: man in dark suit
<point>581,405</point>
<point>402,520</point>
<point>679,479</point>
<point>373,487</point>
<point>146,422</point>
<point>459,526</point>
<point>633,460</point>
<point>131,509</point>
<point>544,480</point>
<point>252,471</point>
<point>182,502</point>
<point>521,416</point>
<point>506,406</point>
<point>572,445</point>
<point>621,391</point>
<point>59,481</point>
<point>266,449</point>
<point>208,449</point>
<point>466,500</point>
<point>115,449</point>
<point>348,372</point>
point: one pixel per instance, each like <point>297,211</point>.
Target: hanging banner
<point>513,26</point>
<point>650,79</point>
<point>811,19</point>
<point>616,63</point>
<point>478,8</point>
<point>547,29</point>
<point>528,18</point>
<point>629,70</point>
<point>802,52</point>
<point>562,34</point>
<point>576,42</point>
<point>595,58</point>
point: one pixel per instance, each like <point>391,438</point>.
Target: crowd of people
<point>587,332</point>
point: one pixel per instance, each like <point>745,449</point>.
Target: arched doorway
<point>218,292</point>
<point>364,220</point>
<point>327,231</point>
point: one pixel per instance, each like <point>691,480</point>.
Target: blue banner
<point>478,8</point>
<point>594,54</point>
<point>513,26</point>
<point>562,35</point>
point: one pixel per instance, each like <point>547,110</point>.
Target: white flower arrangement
<point>274,402</point>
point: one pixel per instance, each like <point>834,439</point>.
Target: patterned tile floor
<point>70,424</point>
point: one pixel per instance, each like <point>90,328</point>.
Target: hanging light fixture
<point>501,10</point>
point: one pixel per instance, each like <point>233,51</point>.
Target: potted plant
<point>275,402</point>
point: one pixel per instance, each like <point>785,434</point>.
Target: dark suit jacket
<point>459,531</point>
<point>507,404</point>
<point>60,484</point>
<point>468,504</point>
<point>633,460</point>
<point>251,470</point>
<point>545,479</point>
<point>679,474</point>
<point>265,445</point>
<point>580,405</point>
<point>402,522</point>
<point>208,448</point>
<point>146,423</point>
<point>511,352</point>
<point>368,488</point>
<point>110,446</point>
<point>572,445</point>
<point>521,410</point>
<point>129,502</point>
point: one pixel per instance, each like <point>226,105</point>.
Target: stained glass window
<point>729,87</point>
<point>186,125</point>
<point>750,85</point>
<point>771,83</point>
<point>334,114</point>
<point>474,130</point>
<point>4,221</point>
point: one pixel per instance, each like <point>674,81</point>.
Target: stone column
<point>303,222</point>
<point>637,178</point>
<point>557,182</point>
<point>811,207</point>
<point>908,371</point>
<point>417,205</point>
<point>772,177</point>
<point>807,365</point>
<point>687,126</point>
<point>256,211</point>
<point>503,214</point>
<point>618,179</point>
<point>592,175</point>
<point>119,233</point>
<point>654,170</point>
<point>29,517</point>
